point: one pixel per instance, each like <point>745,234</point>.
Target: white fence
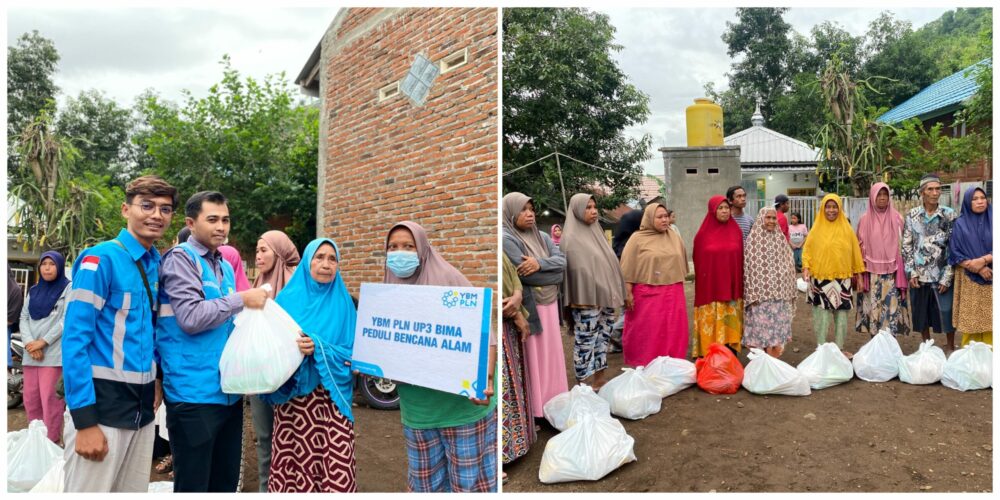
<point>856,207</point>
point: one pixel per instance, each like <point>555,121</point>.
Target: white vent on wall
<point>389,91</point>
<point>454,60</point>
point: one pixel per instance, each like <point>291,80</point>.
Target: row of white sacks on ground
<point>37,465</point>
<point>879,360</point>
<point>591,443</point>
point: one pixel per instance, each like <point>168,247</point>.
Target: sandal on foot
<point>165,465</point>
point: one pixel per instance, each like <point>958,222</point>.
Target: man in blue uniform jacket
<point>107,348</point>
<point>198,300</point>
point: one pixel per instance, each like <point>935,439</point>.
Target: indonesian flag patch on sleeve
<point>90,262</point>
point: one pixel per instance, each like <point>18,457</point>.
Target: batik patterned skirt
<point>518,425</point>
<point>717,322</point>
<point>972,306</point>
<point>768,323</point>
<point>312,448</point>
<point>832,294</point>
<point>883,307</point>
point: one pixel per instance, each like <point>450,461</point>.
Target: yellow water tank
<point>704,123</point>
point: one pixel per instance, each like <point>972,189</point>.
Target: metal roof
<point>761,145</point>
<point>940,97</point>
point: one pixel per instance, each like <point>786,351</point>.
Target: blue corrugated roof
<point>939,95</point>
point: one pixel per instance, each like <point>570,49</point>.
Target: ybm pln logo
<point>465,300</point>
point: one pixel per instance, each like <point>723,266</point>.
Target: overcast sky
<point>670,54</point>
<point>124,51</point>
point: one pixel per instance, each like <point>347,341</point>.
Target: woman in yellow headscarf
<point>831,257</point>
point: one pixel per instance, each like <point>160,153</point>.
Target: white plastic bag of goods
<point>588,451</point>
<point>262,353</point>
<point>161,487</point>
<point>924,366</point>
<point>631,396</point>
<point>670,375</point>
<point>54,481</point>
<point>566,409</point>
<point>767,375</point>
<point>802,285</point>
<point>878,360</point>
<point>826,367</point>
<point>969,368</point>
<point>31,458</point>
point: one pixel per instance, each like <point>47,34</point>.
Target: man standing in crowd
<point>781,206</point>
<point>926,232</point>
<point>107,349</point>
<point>737,197</point>
<point>197,303</point>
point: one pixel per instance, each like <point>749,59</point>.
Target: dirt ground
<point>380,451</point>
<point>857,436</point>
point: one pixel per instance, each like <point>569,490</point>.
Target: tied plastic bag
<point>969,368</point>
<point>878,360</point>
<point>31,458</point>
<point>767,375</point>
<point>54,481</point>
<point>565,410</point>
<point>161,487</point>
<point>719,372</point>
<point>262,353</point>
<point>826,367</point>
<point>631,396</point>
<point>802,285</point>
<point>670,375</point>
<point>588,451</point>
<point>924,366</point>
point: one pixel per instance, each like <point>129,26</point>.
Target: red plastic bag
<point>719,372</point>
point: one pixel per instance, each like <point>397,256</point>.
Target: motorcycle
<point>15,375</point>
<point>377,392</point>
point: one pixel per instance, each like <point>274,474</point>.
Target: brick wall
<point>391,161</point>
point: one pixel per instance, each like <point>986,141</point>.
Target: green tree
<point>101,130</point>
<point>31,62</point>
<point>246,139</point>
<point>563,91</point>
<point>855,147</point>
<point>893,51</point>
<point>761,38</point>
<point>52,209</point>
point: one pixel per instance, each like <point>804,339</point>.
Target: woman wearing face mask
<point>830,259</point>
<point>718,282</point>
<point>540,265</point>
<point>769,291</point>
<point>450,440</point>
<point>313,448</point>
<point>883,287</point>
<point>593,288</point>
<point>41,332</point>
<point>971,248</point>
<point>276,261</point>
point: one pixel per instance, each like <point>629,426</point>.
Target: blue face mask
<point>402,264</point>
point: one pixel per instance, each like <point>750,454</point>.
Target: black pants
<point>206,441</point>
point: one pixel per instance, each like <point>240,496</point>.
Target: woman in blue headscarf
<point>41,331</point>
<point>313,445</point>
<point>971,248</point>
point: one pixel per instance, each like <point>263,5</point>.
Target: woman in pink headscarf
<point>232,256</point>
<point>883,284</point>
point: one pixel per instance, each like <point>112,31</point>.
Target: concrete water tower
<point>705,168</point>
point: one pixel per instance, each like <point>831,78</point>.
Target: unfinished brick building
<point>391,149</point>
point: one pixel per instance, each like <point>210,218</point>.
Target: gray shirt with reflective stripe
<point>180,278</point>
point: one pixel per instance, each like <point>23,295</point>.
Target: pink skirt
<point>546,360</point>
<point>657,325</point>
